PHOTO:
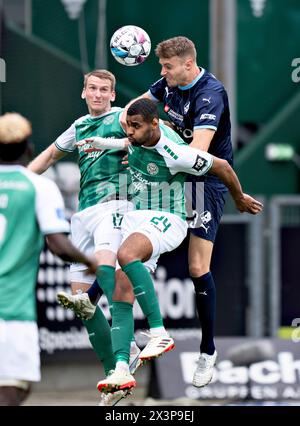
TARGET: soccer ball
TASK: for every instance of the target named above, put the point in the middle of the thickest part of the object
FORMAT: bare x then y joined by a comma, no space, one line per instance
130,45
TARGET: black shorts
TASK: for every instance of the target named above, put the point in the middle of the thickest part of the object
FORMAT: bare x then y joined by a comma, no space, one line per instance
205,206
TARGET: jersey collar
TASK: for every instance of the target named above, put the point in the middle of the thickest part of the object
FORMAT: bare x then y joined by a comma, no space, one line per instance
11,167
113,109
188,86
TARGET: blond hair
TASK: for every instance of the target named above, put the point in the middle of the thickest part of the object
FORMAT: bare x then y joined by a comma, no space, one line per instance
103,74
14,128
177,46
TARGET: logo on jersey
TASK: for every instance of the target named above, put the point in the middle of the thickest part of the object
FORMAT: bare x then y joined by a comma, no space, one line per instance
108,120
186,107
152,169
206,99
207,117
167,91
173,114
200,164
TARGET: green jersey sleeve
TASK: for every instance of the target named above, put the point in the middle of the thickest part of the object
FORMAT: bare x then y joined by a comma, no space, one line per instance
182,158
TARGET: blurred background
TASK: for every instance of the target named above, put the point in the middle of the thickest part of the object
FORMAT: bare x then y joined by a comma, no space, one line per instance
253,47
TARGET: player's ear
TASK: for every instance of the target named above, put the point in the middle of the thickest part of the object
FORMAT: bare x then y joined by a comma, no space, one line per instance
155,122
113,96
189,63
83,94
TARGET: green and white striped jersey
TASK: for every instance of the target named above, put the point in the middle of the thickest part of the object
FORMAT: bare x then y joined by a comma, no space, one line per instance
103,175
30,206
158,173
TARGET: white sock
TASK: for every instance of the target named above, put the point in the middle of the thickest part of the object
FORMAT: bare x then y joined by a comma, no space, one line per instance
158,331
122,365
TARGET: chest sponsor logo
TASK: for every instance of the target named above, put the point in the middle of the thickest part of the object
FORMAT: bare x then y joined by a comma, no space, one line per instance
174,115
207,117
152,169
108,120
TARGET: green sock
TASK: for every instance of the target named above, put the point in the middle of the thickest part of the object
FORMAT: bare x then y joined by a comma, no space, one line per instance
100,338
144,292
106,280
122,330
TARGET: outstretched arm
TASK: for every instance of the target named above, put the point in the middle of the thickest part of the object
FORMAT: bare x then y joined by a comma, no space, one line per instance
243,202
46,159
197,162
97,143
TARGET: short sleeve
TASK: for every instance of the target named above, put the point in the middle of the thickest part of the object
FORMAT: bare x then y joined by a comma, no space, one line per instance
49,207
182,158
66,141
208,110
157,90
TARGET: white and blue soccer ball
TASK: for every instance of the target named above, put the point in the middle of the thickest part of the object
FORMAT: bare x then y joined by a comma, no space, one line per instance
130,45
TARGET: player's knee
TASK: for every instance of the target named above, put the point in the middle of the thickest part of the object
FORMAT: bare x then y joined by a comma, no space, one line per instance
124,256
197,269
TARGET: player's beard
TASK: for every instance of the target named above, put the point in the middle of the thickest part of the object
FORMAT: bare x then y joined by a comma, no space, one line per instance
135,143
144,139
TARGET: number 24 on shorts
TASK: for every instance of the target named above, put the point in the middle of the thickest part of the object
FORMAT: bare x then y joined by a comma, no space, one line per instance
161,221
